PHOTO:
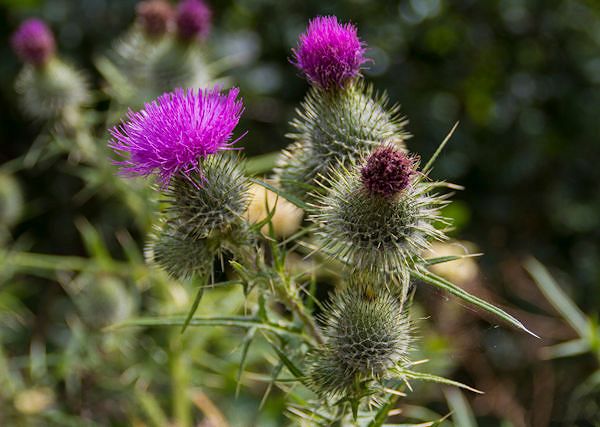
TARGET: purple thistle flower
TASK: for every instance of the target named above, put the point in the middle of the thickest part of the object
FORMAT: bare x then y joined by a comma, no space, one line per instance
387,171
155,16
193,19
329,53
175,131
33,42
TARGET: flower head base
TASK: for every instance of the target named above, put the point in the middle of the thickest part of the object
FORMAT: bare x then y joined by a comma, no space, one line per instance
174,132
387,171
33,42
155,16
329,53
193,19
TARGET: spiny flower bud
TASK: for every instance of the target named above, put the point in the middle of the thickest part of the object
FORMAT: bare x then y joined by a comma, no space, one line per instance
155,16
367,333
193,19
33,42
212,203
336,128
54,91
329,53
173,133
180,255
387,171
374,233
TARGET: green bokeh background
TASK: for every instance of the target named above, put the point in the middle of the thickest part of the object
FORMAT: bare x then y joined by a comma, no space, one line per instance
521,76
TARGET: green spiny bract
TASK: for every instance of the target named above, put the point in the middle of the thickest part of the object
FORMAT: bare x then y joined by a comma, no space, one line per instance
336,127
180,255
367,333
54,91
373,233
212,202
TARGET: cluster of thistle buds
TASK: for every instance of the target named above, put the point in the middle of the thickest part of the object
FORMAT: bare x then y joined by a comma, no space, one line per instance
373,209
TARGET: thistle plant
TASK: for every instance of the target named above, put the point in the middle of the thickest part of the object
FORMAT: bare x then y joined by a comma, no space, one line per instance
374,211
50,89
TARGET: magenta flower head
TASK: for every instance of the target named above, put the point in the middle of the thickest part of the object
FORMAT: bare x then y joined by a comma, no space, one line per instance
177,130
33,42
193,19
387,171
329,53
155,16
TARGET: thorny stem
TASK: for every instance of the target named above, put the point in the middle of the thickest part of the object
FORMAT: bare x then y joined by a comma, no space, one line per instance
285,289
285,292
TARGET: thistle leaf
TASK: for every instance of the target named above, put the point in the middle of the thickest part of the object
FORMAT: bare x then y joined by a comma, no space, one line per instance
439,282
194,307
422,376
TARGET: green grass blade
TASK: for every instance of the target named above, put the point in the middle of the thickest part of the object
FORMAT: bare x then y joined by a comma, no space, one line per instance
439,282
194,307
294,370
290,198
433,158
261,164
448,258
462,415
557,297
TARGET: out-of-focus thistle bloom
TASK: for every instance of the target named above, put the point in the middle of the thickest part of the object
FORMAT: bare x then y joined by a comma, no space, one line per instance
155,17
333,129
374,232
193,19
33,42
285,220
173,133
329,53
212,203
387,172
367,333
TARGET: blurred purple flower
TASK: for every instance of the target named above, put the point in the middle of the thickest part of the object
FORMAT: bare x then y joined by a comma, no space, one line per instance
175,131
329,53
387,171
155,16
193,19
33,42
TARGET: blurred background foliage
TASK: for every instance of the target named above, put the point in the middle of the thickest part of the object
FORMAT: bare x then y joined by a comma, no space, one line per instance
523,79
